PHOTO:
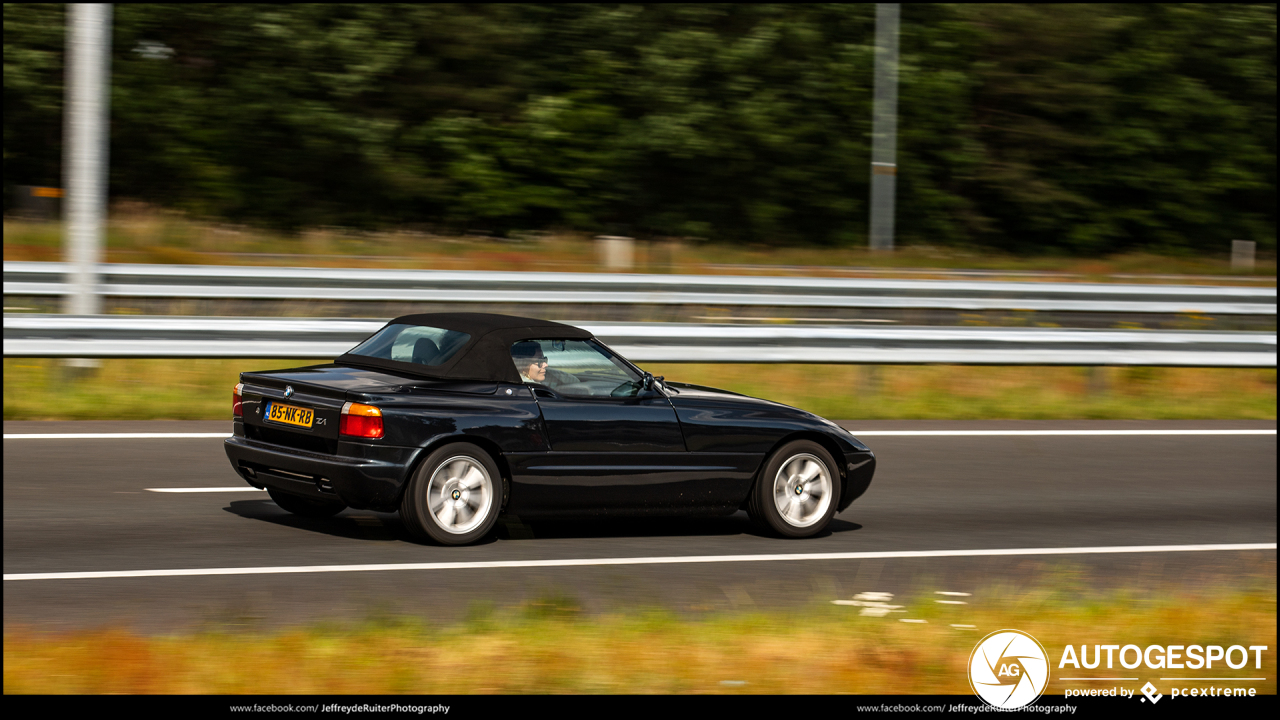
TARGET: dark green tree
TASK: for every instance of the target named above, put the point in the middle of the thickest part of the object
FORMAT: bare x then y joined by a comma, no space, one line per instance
1035,128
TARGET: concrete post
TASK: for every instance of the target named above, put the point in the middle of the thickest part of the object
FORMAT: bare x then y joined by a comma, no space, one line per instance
616,252
84,160
884,129
85,149
1242,254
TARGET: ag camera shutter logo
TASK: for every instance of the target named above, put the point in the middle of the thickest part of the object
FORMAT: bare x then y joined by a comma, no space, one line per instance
1008,669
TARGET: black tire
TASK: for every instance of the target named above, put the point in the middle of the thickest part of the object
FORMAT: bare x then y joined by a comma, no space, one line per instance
454,496
306,507
807,511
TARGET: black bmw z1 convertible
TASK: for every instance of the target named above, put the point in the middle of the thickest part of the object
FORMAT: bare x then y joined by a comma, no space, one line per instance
456,418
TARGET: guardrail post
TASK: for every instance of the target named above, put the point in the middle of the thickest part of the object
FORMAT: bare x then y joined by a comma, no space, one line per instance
871,381
1099,380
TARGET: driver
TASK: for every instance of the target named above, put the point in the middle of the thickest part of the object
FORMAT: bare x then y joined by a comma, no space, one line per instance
530,361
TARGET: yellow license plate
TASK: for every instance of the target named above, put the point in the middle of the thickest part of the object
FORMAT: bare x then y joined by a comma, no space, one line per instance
290,415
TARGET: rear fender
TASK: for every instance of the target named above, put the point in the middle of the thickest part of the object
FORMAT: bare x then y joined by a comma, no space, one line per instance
483,443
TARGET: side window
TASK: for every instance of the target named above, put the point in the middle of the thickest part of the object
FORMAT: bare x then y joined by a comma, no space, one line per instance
413,343
419,345
579,368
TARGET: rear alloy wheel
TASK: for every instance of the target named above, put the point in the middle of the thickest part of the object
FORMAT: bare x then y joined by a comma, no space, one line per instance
797,492
306,507
454,496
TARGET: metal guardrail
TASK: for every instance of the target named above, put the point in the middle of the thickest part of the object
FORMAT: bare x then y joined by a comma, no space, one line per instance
353,284
174,337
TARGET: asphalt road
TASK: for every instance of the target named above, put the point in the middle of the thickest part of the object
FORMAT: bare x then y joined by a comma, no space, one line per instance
83,505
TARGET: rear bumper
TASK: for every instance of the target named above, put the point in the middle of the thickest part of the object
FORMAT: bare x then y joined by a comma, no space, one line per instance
859,466
362,476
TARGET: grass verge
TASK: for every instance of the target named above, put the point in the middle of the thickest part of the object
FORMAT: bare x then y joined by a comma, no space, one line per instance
138,389
136,233
548,646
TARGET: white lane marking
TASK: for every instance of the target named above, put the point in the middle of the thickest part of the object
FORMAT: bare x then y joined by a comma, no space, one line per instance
109,436
204,489
595,562
859,433
961,433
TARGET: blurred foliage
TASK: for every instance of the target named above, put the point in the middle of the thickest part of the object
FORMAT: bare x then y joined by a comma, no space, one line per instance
815,649
1033,128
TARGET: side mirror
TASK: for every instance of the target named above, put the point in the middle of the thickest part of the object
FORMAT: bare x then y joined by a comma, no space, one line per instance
649,382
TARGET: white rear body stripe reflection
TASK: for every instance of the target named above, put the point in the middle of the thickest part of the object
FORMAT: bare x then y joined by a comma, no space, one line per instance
246,488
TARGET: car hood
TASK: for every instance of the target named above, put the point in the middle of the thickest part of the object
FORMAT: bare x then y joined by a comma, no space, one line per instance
701,391
690,396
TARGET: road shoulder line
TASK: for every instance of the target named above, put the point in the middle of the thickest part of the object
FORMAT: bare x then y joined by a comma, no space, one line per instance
595,562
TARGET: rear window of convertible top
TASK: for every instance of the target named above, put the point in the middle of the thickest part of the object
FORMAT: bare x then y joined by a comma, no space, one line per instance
413,344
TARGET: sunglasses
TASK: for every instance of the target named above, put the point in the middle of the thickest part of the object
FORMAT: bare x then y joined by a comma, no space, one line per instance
538,361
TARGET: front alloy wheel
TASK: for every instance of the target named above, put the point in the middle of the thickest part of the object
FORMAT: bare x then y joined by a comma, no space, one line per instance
802,490
797,492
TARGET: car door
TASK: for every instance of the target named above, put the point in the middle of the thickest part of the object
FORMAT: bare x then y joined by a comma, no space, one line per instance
616,445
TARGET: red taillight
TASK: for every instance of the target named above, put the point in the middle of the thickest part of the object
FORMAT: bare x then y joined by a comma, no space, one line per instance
360,421
237,403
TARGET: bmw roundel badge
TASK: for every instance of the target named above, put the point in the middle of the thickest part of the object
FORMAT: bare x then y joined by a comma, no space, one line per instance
288,391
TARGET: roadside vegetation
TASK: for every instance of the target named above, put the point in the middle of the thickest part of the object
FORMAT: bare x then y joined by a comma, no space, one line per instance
150,389
550,645
138,233
1028,128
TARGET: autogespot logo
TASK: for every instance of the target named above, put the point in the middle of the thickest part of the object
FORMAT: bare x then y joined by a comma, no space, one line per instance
1008,669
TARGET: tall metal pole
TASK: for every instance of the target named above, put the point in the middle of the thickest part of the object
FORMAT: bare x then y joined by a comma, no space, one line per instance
884,128
84,152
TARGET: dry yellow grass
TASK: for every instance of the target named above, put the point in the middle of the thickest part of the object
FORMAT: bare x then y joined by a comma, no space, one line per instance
139,389
823,649
975,392
138,233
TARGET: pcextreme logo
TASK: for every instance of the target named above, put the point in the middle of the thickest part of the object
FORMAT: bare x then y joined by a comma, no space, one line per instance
1175,659
1008,669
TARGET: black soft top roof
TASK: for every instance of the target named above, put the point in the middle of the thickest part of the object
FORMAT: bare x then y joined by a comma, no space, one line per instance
486,356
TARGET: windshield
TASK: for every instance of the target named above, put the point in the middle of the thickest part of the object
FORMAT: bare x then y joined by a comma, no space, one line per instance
416,344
